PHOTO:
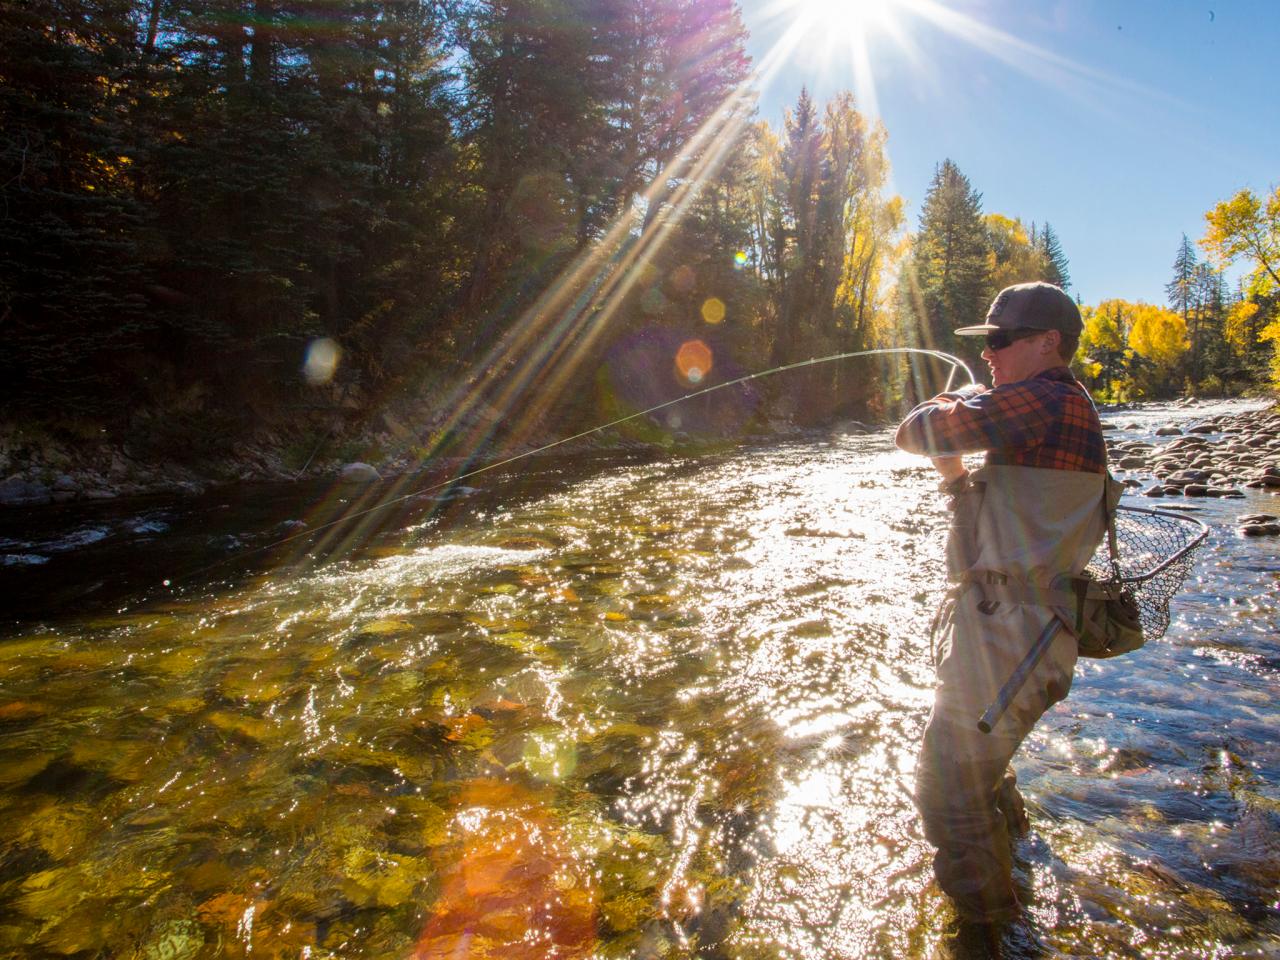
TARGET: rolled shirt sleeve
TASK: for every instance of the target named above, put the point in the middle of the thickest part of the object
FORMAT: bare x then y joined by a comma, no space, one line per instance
1047,420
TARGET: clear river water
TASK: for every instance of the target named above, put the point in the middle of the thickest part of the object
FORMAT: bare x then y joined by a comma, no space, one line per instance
593,706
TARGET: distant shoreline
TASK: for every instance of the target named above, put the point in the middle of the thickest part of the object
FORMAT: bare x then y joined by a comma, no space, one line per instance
40,467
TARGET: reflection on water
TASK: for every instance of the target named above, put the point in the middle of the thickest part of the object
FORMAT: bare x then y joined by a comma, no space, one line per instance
667,711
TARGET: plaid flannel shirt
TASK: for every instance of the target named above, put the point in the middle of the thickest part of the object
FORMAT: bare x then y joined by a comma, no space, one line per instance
1047,420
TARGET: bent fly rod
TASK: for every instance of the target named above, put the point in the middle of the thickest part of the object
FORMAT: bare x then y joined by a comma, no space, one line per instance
956,366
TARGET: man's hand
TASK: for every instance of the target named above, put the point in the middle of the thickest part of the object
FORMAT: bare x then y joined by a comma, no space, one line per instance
951,468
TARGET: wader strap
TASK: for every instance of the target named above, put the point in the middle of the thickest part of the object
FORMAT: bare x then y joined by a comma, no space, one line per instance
1068,591
1109,514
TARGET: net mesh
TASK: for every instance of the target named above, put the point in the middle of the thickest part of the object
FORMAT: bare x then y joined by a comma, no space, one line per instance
1156,551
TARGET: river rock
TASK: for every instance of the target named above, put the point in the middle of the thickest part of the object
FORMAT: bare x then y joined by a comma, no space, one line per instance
1183,477
1202,428
1155,491
1132,463
1260,529
1259,518
1196,490
854,426
19,490
1168,432
358,473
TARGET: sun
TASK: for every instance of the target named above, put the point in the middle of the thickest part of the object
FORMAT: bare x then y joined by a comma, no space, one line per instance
840,41
840,21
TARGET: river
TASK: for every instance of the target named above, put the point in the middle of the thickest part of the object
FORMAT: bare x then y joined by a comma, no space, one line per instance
597,706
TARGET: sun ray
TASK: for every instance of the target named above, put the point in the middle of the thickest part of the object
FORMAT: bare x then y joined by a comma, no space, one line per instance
1044,66
524,373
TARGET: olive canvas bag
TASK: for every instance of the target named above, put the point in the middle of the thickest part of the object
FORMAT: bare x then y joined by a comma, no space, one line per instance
1107,621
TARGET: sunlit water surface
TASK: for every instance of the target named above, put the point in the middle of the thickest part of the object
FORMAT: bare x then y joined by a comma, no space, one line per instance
662,709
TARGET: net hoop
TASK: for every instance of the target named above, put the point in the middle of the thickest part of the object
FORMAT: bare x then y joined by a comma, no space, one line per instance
1198,538
1154,556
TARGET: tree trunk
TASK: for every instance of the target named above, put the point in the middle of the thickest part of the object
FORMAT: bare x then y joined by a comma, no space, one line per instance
153,27
262,53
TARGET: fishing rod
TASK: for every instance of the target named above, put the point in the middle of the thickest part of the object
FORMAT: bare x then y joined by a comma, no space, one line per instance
956,365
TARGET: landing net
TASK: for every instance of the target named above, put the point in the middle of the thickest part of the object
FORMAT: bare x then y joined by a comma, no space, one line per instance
1156,550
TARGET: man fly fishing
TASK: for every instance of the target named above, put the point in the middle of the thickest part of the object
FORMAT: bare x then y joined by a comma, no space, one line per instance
1032,513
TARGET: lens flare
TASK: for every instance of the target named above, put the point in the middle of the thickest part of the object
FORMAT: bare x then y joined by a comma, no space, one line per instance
740,259
713,310
683,279
321,361
693,361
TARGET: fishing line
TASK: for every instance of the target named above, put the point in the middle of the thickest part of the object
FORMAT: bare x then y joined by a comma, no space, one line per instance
955,362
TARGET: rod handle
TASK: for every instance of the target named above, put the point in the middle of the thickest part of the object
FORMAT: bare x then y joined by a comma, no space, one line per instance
989,719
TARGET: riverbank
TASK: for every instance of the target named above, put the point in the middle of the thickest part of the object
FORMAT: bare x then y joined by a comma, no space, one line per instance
69,462
1220,455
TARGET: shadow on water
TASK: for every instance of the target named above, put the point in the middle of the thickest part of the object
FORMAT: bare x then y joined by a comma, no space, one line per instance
62,561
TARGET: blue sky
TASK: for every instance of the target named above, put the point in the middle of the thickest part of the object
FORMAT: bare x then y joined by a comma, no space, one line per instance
1120,123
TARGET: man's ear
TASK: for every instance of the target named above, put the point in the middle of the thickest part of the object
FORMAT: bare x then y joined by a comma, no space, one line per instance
1050,343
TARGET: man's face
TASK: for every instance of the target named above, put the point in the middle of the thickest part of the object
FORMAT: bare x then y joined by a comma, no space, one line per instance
1023,358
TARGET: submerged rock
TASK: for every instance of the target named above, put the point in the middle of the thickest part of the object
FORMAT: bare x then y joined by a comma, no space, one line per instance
359,473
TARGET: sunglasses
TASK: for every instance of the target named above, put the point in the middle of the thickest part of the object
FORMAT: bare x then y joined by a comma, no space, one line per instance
999,339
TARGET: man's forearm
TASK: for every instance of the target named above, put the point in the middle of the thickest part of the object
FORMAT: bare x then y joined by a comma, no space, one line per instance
918,434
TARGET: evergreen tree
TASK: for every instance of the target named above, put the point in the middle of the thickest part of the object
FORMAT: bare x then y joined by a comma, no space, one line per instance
72,295
1055,261
1209,345
1183,292
796,223
528,110
949,261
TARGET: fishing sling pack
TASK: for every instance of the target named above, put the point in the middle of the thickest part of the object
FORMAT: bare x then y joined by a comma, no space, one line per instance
1107,621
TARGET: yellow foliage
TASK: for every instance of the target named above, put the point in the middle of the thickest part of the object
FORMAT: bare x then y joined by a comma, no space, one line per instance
1238,329
1246,227
1012,258
1271,333
1158,334
1104,327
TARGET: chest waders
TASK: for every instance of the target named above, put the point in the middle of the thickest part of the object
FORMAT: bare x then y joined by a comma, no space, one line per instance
1023,536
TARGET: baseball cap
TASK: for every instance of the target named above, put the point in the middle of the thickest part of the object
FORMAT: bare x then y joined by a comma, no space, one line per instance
1029,306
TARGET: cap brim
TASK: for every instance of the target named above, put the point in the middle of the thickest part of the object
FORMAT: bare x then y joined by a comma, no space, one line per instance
977,330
